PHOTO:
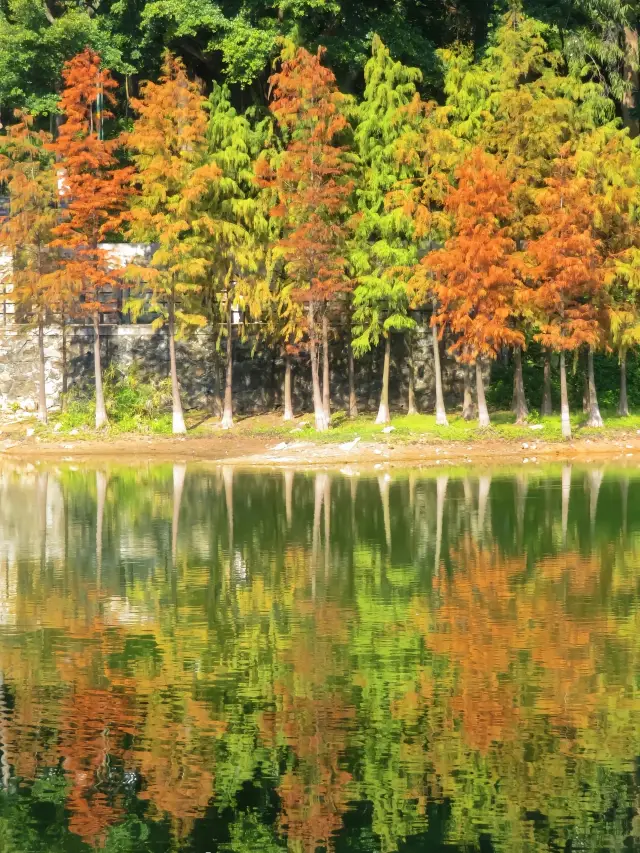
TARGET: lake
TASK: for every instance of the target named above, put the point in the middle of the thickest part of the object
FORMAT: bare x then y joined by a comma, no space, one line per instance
206,659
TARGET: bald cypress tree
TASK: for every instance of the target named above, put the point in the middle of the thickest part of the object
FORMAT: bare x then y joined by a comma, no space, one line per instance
234,220
383,250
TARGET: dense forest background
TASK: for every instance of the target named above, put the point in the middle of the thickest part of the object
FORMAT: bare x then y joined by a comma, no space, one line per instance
237,40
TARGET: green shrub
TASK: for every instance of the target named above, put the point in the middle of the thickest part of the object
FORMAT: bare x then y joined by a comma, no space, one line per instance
132,405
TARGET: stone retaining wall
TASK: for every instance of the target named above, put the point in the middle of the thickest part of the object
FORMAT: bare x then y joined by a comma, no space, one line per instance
257,375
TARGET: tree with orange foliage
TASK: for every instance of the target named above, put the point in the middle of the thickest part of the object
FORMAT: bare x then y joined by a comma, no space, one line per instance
567,277
477,278
312,186
93,193
169,147
27,170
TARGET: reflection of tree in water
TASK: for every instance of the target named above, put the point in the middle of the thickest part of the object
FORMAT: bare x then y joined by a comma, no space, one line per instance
292,661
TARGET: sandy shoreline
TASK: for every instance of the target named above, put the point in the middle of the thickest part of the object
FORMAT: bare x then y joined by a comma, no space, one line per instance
269,452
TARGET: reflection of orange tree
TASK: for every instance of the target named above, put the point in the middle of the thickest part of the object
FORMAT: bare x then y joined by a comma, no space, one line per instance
176,759
501,629
312,720
93,726
531,702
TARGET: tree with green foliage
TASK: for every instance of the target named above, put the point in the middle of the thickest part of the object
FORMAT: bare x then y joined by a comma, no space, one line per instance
383,247
233,221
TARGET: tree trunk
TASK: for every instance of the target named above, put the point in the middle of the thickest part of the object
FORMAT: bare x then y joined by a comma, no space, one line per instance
441,414
412,409
65,379
623,403
353,402
322,422
467,403
288,406
547,406
101,411
483,412
520,402
383,411
326,387
631,77
42,386
217,381
227,412
564,399
595,418
585,388
179,427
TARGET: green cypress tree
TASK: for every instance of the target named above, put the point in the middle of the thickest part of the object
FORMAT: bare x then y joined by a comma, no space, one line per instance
383,248
234,215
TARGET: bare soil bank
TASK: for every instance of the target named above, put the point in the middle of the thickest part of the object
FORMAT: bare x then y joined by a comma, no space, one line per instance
245,450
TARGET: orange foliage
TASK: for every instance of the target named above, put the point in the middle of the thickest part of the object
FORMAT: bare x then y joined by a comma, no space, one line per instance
493,628
29,175
477,273
96,721
566,267
93,189
311,179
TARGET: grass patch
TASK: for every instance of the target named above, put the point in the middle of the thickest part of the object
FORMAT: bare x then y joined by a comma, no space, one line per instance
415,428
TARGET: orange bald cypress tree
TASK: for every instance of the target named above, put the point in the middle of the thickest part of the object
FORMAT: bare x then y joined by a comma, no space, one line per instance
566,273
27,171
312,188
169,147
477,272
93,193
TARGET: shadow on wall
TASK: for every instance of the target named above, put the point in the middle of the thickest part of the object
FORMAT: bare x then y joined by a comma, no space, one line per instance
257,377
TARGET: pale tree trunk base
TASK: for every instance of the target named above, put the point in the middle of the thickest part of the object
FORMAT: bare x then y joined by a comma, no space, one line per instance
383,416
288,407
42,388
412,409
595,418
179,426
101,411
383,410
483,411
564,400
521,410
326,376
353,400
321,418
227,414
623,403
468,409
441,414
547,407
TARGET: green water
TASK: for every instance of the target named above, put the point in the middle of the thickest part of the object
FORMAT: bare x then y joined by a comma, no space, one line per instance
201,659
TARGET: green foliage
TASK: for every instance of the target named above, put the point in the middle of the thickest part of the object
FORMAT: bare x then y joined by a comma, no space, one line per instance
382,249
133,405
